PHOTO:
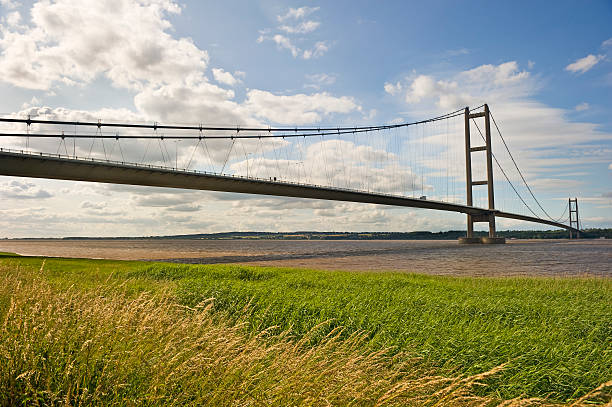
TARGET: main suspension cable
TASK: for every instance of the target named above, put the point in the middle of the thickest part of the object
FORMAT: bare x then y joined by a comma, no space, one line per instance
287,132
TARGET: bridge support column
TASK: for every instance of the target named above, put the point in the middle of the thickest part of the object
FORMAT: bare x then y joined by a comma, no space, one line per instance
470,183
573,218
468,173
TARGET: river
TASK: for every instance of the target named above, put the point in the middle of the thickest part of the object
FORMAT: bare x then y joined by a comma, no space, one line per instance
517,257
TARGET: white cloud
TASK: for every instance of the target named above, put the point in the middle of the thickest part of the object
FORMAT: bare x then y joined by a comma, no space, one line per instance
507,73
66,43
542,139
298,27
9,4
298,109
189,207
610,166
393,89
341,163
426,87
504,80
304,27
370,116
530,64
322,78
582,65
93,205
224,77
186,98
297,13
160,200
607,43
284,42
320,48
582,107
23,190
13,19
33,102
193,98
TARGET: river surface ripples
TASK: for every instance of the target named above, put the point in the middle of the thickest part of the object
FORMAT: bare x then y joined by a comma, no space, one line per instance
517,257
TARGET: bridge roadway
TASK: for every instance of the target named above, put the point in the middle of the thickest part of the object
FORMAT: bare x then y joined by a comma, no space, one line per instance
39,165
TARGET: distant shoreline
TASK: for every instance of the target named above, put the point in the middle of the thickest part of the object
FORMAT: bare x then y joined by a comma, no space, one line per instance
312,235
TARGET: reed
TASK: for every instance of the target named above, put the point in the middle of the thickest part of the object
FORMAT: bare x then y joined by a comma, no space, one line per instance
104,346
93,332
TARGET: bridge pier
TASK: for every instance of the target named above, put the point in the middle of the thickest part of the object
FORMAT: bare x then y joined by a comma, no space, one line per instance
470,183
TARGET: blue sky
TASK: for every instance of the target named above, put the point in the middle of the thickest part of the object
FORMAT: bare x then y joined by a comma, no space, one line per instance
544,67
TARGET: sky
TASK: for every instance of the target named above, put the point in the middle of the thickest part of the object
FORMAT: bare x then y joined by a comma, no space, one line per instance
544,68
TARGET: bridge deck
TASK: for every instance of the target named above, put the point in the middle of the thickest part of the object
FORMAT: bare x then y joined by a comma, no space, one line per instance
34,165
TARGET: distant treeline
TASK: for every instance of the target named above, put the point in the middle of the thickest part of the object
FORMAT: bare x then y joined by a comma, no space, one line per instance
422,235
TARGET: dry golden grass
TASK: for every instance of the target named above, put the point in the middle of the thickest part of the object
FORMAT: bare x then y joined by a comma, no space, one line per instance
106,346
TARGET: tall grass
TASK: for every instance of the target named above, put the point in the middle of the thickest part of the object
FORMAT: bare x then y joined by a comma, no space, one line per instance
555,334
93,332
103,346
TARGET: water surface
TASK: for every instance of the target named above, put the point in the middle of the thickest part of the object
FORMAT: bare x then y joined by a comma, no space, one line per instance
517,257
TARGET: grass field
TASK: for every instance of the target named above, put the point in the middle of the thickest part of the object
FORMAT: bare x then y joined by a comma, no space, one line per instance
102,331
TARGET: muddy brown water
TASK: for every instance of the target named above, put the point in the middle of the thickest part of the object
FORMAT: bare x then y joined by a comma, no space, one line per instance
517,257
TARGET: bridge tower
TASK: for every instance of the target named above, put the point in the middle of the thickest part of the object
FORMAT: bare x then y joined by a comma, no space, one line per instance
470,183
573,217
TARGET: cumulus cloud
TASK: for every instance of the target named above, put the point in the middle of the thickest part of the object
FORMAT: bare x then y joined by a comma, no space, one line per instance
298,109
12,19
607,43
426,87
65,43
9,4
466,87
193,98
182,95
93,205
583,65
393,88
224,77
507,73
543,139
339,163
23,190
161,200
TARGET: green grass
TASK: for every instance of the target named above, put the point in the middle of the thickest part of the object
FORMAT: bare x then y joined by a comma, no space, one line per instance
555,334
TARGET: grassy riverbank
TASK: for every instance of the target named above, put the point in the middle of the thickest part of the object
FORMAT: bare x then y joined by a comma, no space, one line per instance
101,331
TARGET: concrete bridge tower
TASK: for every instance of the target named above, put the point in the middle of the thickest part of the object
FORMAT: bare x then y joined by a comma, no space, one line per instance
470,183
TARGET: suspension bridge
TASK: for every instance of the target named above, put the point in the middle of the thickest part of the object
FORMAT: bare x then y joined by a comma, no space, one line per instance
428,164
